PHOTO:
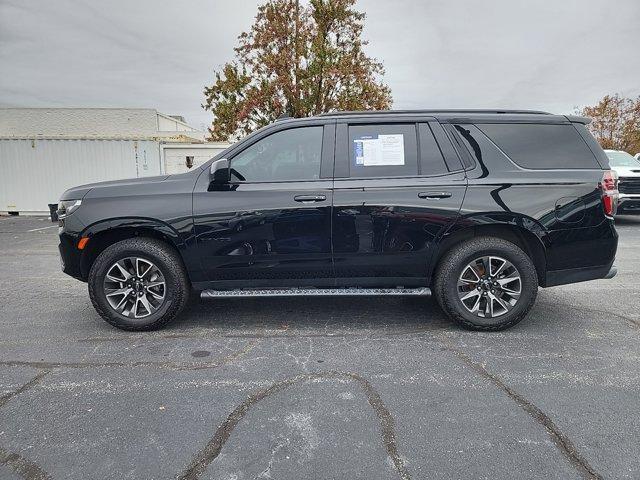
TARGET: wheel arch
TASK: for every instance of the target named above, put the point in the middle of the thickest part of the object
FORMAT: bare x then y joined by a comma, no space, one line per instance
106,233
531,243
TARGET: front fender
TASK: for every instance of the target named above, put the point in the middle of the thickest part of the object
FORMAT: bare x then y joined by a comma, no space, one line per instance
139,224
105,232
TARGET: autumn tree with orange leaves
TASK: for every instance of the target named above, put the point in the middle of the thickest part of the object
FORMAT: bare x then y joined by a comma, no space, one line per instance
297,60
616,122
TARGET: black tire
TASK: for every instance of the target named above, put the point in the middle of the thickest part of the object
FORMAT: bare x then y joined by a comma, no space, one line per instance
177,289
445,283
194,297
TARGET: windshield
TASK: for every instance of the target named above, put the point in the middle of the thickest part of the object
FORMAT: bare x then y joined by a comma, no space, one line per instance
622,159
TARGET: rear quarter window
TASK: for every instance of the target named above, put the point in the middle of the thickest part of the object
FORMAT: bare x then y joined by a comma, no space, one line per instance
539,146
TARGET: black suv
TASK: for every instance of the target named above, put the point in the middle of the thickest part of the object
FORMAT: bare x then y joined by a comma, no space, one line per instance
478,207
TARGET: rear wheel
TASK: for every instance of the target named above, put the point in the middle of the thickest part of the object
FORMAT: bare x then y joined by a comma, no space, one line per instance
138,284
486,284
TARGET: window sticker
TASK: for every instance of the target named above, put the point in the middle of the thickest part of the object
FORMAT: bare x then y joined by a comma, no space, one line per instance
379,150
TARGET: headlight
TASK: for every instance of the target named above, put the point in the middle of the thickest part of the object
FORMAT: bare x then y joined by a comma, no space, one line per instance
67,207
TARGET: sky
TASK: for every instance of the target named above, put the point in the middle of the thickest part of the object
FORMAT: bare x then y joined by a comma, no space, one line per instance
551,55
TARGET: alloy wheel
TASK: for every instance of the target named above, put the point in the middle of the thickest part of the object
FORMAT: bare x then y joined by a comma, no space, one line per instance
135,287
489,286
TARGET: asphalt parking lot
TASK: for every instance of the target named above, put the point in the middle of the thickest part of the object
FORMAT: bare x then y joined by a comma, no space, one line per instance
331,388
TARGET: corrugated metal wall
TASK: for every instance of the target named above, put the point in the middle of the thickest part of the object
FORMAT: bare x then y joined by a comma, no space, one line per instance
34,173
175,157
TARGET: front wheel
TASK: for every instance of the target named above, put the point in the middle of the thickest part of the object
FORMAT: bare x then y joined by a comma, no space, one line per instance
138,284
486,284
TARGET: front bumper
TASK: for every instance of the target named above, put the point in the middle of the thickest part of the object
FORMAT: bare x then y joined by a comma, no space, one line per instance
70,255
628,204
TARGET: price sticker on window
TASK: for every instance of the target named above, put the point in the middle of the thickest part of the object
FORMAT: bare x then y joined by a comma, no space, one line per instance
379,150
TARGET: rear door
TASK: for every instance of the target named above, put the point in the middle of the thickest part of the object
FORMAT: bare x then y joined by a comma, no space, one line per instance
398,186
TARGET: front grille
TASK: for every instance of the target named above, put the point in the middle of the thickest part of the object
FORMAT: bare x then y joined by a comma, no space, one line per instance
629,185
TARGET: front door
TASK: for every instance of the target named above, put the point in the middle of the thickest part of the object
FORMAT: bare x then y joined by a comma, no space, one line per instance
272,226
394,196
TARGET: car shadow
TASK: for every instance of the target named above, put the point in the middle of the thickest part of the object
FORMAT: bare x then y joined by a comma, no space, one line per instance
323,316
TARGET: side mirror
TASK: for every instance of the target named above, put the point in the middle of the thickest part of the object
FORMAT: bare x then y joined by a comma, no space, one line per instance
219,173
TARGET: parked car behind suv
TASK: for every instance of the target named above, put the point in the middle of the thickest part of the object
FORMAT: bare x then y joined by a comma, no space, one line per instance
628,170
479,207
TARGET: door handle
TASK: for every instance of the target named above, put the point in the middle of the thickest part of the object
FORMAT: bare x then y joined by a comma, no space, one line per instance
434,195
310,198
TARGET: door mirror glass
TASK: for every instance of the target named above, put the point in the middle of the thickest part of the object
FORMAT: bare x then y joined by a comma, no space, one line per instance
219,172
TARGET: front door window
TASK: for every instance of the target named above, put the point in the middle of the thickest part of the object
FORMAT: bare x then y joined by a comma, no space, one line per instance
287,155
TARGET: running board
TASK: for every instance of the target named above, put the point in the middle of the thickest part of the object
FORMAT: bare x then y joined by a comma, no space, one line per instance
315,292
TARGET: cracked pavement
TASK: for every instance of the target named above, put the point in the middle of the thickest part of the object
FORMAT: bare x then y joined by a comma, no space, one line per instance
314,388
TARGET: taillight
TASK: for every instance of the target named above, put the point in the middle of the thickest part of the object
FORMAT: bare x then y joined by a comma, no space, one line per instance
609,188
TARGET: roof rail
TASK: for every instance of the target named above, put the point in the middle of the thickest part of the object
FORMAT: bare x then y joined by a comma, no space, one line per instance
447,111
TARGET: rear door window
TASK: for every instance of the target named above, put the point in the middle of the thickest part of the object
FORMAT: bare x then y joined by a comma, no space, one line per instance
383,150
431,157
539,146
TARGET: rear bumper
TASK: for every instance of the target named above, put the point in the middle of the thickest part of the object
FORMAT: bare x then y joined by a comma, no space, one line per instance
629,204
575,275
613,271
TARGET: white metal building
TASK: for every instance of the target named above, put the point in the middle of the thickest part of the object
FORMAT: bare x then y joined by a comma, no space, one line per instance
176,156
44,151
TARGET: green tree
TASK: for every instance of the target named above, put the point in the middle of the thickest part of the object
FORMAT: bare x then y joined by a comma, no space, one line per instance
615,122
298,61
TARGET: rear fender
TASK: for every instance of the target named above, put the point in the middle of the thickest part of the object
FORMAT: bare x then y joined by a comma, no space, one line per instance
521,230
